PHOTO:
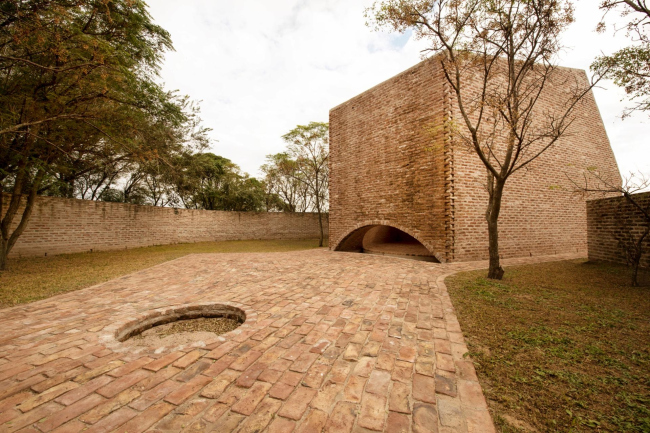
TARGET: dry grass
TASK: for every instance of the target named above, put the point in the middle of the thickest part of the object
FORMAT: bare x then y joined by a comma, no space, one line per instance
32,278
559,347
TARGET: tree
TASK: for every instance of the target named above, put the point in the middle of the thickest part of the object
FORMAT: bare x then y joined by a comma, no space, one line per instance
629,67
498,57
212,182
308,146
284,188
78,93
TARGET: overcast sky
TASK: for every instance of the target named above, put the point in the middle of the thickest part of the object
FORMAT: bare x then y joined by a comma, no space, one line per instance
262,67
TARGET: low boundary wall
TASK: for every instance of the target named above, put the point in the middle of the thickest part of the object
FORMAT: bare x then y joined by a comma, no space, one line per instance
610,220
60,226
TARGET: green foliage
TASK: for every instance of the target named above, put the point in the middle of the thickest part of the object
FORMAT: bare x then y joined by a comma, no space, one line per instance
78,98
629,67
209,181
285,189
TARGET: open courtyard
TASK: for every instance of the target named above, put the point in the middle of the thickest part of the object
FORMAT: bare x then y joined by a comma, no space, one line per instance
332,341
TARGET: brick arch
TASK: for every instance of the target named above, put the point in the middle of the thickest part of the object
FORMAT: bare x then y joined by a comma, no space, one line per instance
352,240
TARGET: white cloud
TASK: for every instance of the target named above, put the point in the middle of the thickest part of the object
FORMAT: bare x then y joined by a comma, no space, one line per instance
262,67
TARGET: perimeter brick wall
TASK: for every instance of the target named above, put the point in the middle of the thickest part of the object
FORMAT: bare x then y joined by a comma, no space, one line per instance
608,220
60,226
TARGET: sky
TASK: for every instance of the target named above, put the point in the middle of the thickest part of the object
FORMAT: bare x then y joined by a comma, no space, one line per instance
261,67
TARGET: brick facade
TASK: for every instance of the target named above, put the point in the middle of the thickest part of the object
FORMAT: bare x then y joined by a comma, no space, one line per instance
394,162
611,219
60,225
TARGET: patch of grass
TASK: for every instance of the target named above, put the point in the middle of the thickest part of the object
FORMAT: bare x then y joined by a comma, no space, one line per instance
30,279
559,347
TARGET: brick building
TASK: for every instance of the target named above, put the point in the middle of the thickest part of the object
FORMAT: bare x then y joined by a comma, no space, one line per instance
399,183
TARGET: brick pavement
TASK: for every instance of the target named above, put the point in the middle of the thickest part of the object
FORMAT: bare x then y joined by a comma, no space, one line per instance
333,342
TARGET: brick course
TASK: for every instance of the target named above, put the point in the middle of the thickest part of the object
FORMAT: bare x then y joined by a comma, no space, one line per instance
607,220
59,226
394,162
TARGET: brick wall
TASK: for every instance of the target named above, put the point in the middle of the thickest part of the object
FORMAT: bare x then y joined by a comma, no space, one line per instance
540,214
610,219
387,159
394,162
59,226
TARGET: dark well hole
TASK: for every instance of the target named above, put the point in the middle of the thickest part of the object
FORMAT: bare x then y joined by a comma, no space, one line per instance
185,316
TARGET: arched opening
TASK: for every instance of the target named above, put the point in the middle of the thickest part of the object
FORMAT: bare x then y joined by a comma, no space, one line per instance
385,240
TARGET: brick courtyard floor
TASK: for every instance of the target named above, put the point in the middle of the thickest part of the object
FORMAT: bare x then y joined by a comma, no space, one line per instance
333,342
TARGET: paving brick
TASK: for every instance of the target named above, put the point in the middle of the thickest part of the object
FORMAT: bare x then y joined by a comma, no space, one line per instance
281,390
249,402
373,412
364,366
315,376
399,398
188,389
398,423
327,395
248,377
294,407
243,362
354,389
342,418
221,350
264,413
119,385
219,384
71,412
156,378
471,394
269,375
314,422
153,395
188,359
163,361
31,417
219,366
281,425
147,418
130,367
46,396
424,388
112,421
450,412
82,391
425,418
95,372
104,409
378,382
195,369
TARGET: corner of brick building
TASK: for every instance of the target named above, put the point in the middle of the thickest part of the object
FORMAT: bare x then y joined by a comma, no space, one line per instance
394,162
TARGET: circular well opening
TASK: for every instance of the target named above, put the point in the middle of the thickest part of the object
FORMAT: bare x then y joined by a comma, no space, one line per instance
183,315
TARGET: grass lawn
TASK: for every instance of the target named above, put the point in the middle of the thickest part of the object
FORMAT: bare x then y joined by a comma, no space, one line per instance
32,278
559,347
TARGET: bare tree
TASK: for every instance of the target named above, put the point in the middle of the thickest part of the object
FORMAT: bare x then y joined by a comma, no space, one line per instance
631,237
498,57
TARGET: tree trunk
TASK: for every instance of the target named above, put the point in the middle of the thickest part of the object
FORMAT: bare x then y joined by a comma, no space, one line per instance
4,252
320,223
7,239
495,189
